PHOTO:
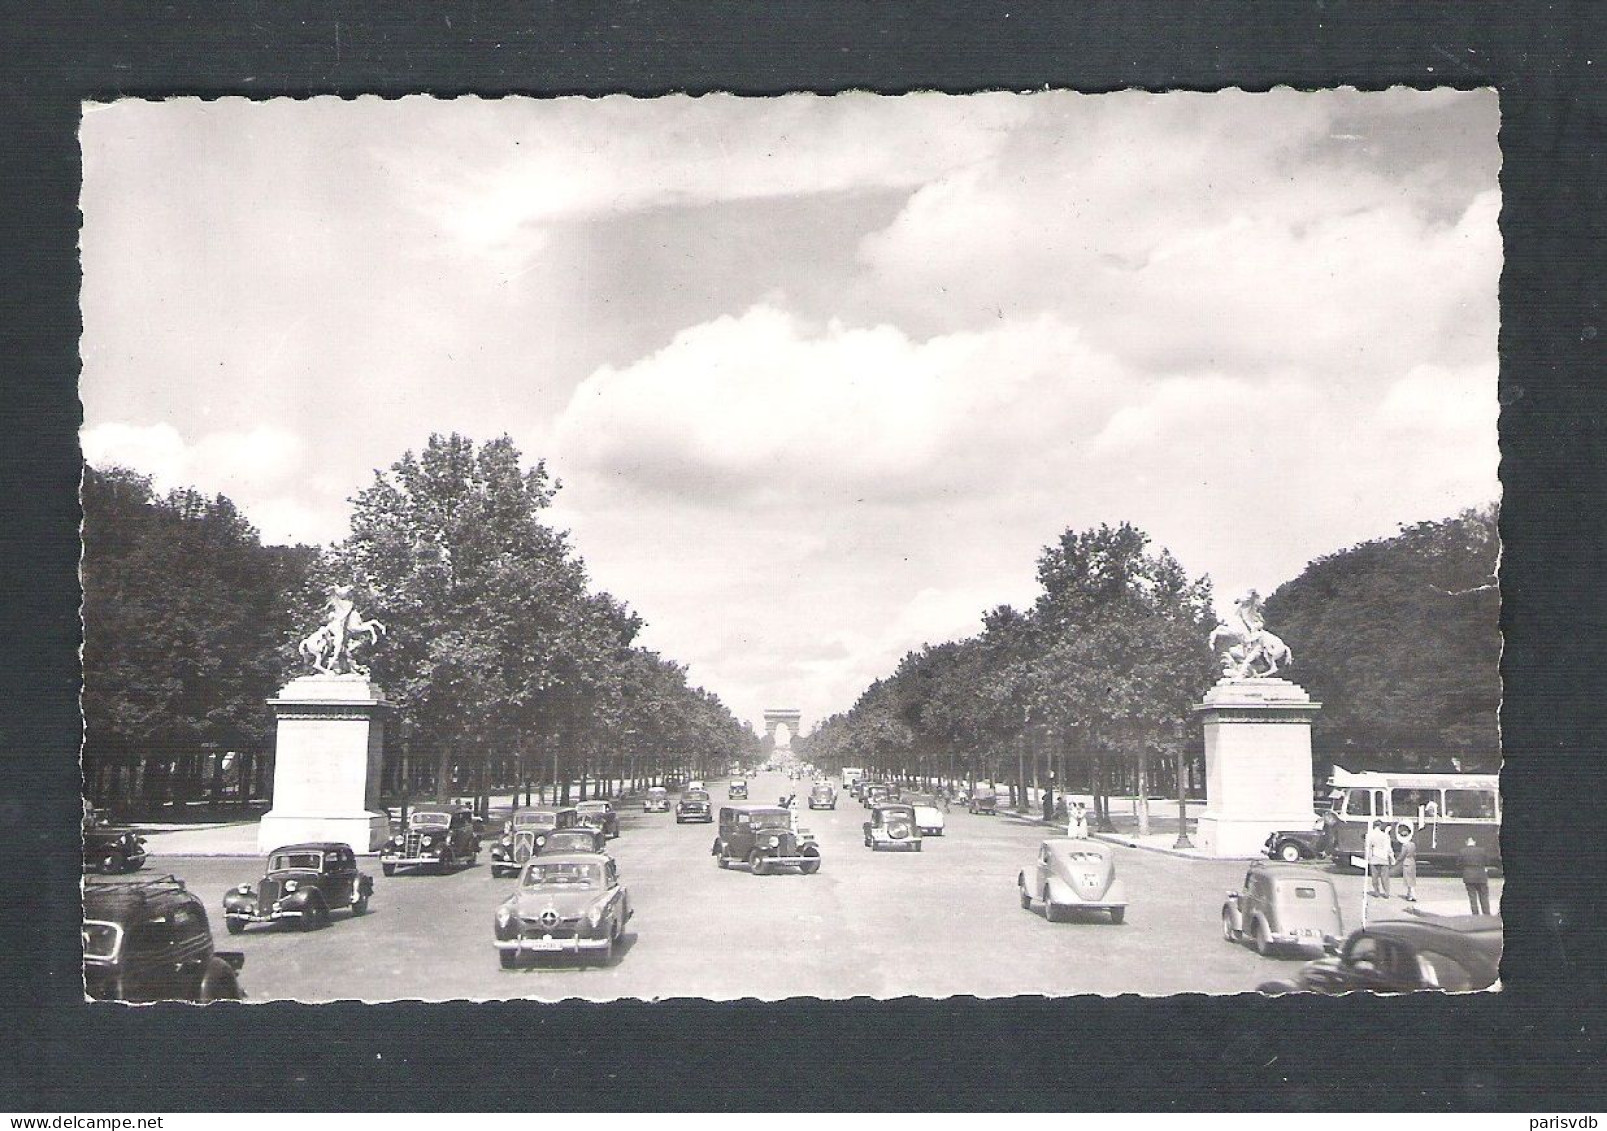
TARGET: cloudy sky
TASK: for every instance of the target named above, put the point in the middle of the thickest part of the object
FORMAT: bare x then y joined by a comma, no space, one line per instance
820,375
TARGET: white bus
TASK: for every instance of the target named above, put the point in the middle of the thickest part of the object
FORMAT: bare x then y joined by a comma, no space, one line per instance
1441,810
852,774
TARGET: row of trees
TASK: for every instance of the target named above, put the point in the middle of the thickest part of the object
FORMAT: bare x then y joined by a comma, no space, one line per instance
1092,687
507,666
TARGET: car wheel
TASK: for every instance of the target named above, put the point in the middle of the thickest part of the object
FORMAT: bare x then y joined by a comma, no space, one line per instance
917,846
1289,852
219,984
510,958
360,905
756,862
111,864
315,916
810,865
606,955
388,869
1263,938
235,926
1026,900
723,860
1229,934
1117,914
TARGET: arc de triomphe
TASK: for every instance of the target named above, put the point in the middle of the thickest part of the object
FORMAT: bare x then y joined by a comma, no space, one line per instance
782,716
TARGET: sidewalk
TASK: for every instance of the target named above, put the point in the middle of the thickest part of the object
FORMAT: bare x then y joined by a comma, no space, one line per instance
234,839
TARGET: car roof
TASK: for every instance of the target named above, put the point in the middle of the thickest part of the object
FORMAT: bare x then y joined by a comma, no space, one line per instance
755,807
571,858
127,896
1081,844
1278,869
1424,927
310,846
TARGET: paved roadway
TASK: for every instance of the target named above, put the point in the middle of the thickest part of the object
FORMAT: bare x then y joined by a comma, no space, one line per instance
941,922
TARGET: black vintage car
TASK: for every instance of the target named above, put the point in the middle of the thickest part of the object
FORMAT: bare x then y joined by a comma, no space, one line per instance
148,940
762,836
303,884
525,834
584,839
599,815
694,805
110,847
1419,952
437,836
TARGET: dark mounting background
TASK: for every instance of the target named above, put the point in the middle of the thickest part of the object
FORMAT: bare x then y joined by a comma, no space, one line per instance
1537,1046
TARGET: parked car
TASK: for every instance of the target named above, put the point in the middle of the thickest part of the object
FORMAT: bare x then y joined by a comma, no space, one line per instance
110,847
1419,952
983,801
524,835
571,904
1295,845
583,839
657,800
599,815
149,940
821,796
763,836
737,791
1069,874
694,805
929,819
437,836
1281,907
892,825
303,884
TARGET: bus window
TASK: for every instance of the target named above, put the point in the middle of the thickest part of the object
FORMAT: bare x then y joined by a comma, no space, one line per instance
1358,803
1411,802
1470,804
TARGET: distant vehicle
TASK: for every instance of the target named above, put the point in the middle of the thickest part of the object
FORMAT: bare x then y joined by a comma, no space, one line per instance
525,834
303,884
148,940
1419,952
657,800
1283,906
570,904
852,776
737,791
584,839
929,819
110,847
694,806
1442,810
438,836
822,797
1069,874
1294,845
763,837
873,794
599,814
696,783
984,801
892,825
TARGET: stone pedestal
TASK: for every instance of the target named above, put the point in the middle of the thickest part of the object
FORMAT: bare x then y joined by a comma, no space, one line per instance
327,761
1257,764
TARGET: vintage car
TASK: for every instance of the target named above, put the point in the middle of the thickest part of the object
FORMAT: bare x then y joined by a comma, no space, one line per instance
525,834
874,794
736,791
1421,951
1283,906
584,839
657,800
983,801
694,805
822,797
148,940
929,818
110,847
1070,874
696,783
764,837
599,815
572,904
892,825
1295,845
304,883
437,836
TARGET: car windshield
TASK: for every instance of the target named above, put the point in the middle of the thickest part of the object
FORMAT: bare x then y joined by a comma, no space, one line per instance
310,861
696,795
821,790
536,820
592,807
655,792
771,820
1084,856
574,875
101,940
567,840
429,819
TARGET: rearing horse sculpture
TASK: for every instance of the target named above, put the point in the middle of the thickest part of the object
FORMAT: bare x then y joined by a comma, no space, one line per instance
329,648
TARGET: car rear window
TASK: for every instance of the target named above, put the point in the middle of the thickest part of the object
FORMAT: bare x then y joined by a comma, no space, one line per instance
1303,892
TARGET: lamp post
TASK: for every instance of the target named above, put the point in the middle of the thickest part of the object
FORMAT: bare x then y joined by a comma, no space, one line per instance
1182,840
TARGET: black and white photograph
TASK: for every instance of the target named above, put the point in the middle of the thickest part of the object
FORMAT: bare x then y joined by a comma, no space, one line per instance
851,546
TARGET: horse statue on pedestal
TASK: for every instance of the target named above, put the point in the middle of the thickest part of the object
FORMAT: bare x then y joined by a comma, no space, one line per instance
329,647
1248,650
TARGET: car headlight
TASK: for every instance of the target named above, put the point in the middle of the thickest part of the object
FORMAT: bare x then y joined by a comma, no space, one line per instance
244,889
290,886
771,841
504,915
595,915
507,840
427,841
396,840
540,840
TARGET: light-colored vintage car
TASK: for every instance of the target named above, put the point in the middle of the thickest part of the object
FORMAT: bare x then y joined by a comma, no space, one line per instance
929,819
571,904
1283,907
657,800
1073,874
892,825
599,815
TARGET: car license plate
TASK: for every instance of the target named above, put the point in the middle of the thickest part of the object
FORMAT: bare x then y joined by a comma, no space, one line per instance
1307,931
547,942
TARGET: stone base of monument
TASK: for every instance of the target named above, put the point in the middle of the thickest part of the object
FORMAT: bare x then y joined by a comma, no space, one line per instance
1257,764
328,755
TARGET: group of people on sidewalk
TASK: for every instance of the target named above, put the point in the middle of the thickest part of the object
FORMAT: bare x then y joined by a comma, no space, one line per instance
1381,860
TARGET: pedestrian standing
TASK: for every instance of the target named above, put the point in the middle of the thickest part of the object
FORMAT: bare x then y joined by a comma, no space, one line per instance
1078,825
1380,858
1475,877
1409,865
